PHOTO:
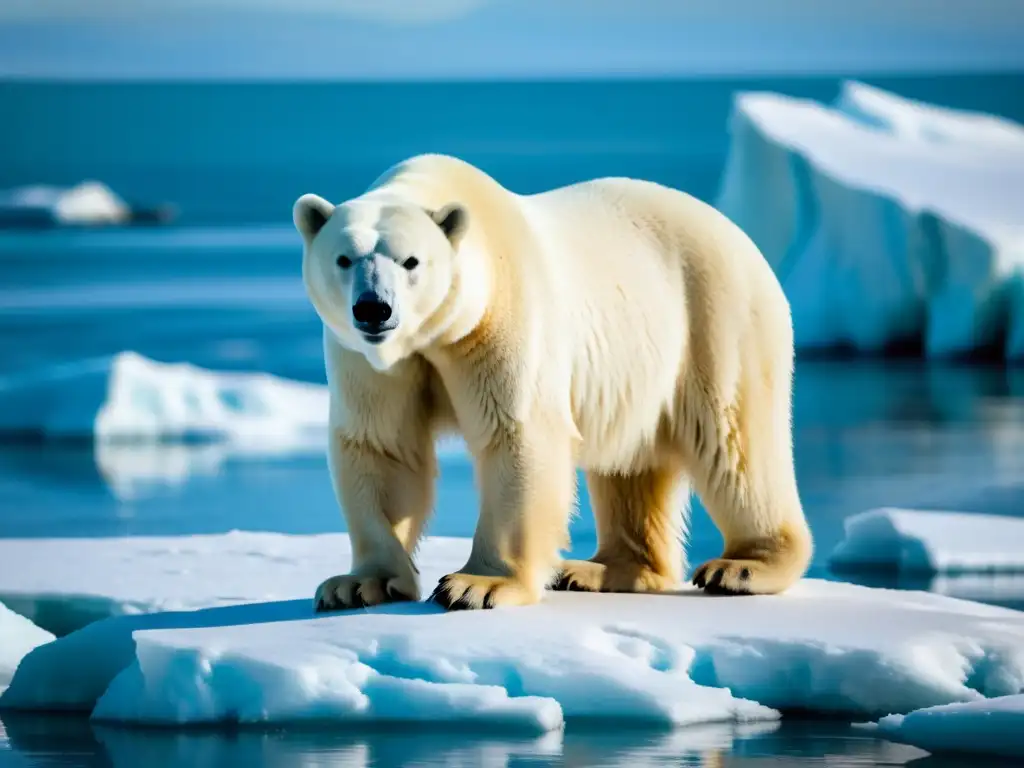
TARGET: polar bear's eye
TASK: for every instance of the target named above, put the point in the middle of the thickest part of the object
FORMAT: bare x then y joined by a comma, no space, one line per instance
411,263
344,262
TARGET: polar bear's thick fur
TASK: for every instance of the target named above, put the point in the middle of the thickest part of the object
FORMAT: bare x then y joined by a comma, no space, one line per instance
614,325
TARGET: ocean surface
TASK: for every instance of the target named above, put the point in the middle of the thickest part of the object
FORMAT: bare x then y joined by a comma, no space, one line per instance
221,289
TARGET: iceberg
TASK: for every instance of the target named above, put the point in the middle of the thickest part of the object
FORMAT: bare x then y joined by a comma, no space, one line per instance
930,542
130,397
987,726
18,636
65,584
668,659
889,223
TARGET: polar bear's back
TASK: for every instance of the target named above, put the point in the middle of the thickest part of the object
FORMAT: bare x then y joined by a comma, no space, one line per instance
622,288
669,258
626,227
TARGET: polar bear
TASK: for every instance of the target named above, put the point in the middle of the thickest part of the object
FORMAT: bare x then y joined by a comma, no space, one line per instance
615,325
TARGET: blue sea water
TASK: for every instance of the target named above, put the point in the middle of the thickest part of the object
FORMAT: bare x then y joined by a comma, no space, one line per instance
221,289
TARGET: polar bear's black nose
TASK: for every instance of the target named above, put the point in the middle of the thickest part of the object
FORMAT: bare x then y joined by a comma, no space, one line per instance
370,311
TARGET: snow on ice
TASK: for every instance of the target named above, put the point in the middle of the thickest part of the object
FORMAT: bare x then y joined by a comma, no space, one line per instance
64,584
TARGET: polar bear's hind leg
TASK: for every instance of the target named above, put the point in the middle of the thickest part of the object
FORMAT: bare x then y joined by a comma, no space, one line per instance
640,524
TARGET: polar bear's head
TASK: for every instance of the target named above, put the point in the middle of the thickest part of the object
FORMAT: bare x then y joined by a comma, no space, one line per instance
378,270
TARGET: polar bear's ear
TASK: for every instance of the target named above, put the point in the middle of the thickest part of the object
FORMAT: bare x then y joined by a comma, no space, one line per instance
310,213
453,220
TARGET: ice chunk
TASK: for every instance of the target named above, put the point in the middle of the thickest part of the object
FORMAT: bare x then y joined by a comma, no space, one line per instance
146,398
18,636
887,222
129,402
992,726
131,397
669,659
90,202
64,584
928,542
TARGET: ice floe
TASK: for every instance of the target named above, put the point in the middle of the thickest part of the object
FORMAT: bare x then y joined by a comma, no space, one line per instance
666,659
130,397
987,726
930,542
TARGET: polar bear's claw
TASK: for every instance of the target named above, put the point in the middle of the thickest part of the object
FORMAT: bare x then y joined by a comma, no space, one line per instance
725,577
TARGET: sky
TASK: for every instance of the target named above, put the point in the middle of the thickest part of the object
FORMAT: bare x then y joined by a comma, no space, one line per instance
472,39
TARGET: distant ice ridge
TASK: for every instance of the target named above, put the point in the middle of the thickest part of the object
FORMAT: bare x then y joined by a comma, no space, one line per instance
677,659
930,542
129,399
888,221
986,726
18,636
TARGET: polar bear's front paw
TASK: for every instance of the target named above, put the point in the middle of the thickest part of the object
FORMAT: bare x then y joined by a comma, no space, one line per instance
341,593
464,591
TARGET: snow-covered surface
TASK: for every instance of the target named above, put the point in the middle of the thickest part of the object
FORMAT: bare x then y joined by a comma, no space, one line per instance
132,397
18,636
887,221
925,541
913,119
90,202
668,659
64,584
992,726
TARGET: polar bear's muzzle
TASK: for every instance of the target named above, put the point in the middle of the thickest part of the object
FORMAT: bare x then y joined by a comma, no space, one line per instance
373,309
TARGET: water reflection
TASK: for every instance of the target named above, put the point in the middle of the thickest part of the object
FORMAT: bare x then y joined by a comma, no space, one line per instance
136,471
789,743
1005,589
